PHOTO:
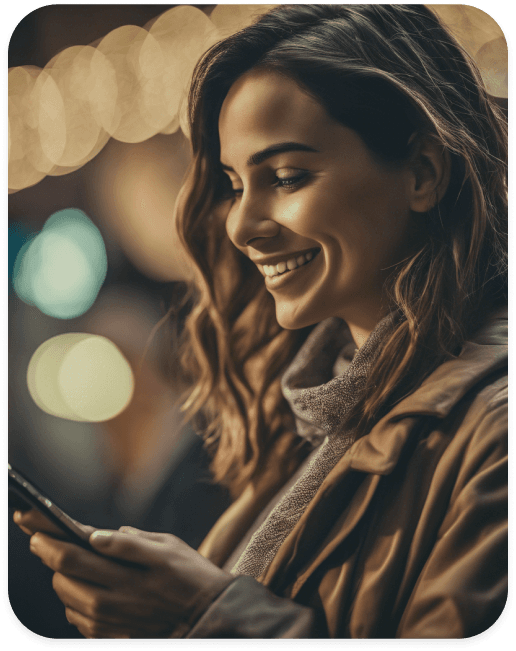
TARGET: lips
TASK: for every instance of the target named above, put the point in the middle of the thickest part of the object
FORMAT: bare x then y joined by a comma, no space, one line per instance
288,263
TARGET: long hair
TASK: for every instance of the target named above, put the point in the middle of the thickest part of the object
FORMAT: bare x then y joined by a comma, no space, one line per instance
388,72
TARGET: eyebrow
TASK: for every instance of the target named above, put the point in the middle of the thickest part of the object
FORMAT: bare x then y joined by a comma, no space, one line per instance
268,152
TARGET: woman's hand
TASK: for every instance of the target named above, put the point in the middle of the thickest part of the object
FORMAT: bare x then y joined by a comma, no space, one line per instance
172,583
33,520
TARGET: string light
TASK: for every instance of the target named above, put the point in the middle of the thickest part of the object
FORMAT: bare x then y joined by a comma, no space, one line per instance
183,34
119,115
476,30
232,18
132,84
21,171
71,72
492,61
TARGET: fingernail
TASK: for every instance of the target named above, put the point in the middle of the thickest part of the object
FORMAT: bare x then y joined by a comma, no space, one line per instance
101,535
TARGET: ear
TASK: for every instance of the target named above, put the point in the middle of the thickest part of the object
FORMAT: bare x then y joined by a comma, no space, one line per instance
430,166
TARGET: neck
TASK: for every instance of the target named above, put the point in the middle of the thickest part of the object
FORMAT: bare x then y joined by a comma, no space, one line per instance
363,318
362,324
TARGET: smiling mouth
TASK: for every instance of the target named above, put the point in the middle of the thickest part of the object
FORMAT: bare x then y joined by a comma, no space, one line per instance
283,268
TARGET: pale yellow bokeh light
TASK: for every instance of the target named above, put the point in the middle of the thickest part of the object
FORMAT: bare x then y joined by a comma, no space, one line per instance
122,48
172,127
80,377
133,83
51,117
184,33
95,379
43,372
102,140
71,71
232,18
31,116
22,172
492,61
8,137
103,92
182,117
473,28
152,98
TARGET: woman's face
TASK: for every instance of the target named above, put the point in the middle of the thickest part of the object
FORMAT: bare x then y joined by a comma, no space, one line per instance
320,217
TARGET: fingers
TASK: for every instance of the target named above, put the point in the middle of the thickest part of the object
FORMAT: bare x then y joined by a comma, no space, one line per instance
97,613
93,629
94,602
74,561
117,608
32,521
138,548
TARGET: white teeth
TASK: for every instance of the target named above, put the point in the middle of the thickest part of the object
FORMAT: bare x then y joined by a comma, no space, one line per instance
291,264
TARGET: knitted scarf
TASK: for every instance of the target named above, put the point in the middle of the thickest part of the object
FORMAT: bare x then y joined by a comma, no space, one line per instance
320,403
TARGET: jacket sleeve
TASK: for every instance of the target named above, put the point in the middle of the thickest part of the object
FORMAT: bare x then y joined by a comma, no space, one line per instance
247,609
462,588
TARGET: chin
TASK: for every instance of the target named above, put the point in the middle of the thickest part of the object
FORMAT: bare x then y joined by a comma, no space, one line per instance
288,319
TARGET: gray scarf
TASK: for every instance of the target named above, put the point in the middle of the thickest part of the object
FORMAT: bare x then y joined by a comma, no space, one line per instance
320,403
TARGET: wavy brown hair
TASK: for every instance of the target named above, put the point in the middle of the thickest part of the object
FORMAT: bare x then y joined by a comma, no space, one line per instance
388,72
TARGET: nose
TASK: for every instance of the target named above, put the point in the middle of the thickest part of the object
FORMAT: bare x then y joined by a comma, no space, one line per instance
249,219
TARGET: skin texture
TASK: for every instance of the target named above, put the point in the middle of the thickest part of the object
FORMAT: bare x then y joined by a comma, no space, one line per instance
358,212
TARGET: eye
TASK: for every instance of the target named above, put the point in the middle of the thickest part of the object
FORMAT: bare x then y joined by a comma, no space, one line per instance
290,181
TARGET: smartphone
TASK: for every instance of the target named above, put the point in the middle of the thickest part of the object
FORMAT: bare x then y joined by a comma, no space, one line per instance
23,495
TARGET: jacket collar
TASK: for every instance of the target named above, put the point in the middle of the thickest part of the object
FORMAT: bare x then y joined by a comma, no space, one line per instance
486,353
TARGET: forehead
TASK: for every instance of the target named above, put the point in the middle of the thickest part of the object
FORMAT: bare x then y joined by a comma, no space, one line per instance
264,107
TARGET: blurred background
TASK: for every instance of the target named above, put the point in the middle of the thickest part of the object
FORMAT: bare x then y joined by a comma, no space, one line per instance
97,124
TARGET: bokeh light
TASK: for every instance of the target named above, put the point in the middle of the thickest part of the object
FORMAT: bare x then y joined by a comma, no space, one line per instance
492,60
232,18
474,29
80,377
120,116
183,33
132,84
21,171
62,269
71,72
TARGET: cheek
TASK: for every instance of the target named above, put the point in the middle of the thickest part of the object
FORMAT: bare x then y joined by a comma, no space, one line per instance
375,213
289,214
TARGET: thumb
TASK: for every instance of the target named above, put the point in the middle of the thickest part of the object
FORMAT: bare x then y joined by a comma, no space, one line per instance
129,549
148,535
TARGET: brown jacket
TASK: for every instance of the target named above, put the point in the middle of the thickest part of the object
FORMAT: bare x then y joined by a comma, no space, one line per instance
407,536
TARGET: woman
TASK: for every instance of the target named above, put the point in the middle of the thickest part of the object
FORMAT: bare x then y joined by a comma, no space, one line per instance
346,212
